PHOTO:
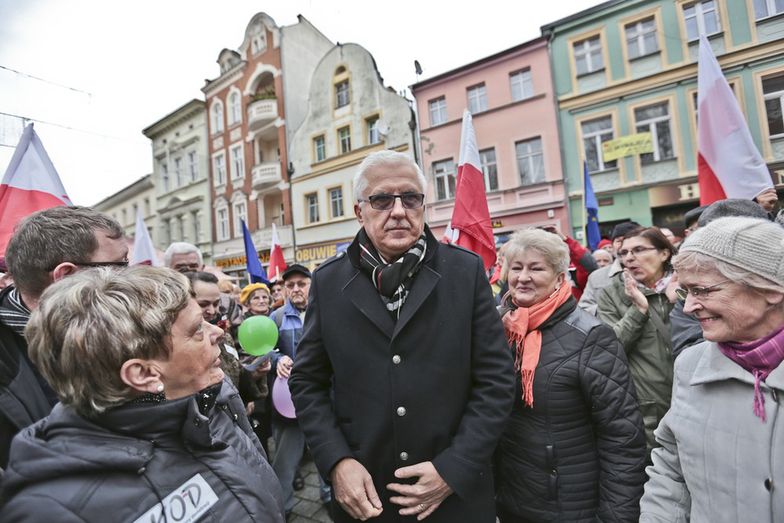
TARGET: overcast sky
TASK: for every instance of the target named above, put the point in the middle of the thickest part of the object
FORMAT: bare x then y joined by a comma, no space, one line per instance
113,68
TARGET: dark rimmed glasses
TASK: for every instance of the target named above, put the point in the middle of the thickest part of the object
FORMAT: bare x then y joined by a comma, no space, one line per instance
384,202
697,292
118,264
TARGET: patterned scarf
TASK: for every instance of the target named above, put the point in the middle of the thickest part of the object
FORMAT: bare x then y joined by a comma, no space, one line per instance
392,280
14,313
760,358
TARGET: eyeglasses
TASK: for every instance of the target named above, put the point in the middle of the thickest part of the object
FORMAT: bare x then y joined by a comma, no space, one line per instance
635,251
123,263
384,202
697,292
301,284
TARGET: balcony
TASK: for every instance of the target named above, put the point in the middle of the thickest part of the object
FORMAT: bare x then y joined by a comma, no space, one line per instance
262,113
266,175
263,237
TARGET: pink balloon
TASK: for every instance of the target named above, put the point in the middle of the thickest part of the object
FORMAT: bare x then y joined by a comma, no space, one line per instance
281,398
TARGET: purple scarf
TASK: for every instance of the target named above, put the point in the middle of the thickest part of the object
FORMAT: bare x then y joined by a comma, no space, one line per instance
760,358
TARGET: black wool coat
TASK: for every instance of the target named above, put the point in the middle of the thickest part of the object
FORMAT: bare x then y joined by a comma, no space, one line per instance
435,385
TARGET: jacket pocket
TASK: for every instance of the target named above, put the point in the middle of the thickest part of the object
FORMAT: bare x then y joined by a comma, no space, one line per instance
552,472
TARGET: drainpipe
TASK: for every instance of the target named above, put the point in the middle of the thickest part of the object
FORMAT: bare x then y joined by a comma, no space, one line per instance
290,173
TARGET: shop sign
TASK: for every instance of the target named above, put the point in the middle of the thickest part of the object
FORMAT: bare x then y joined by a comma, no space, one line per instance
241,260
317,253
496,224
627,146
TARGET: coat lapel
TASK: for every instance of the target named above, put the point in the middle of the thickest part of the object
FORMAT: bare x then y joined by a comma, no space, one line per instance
365,297
424,283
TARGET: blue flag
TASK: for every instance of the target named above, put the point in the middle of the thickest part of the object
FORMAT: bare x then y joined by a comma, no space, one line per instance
256,272
591,212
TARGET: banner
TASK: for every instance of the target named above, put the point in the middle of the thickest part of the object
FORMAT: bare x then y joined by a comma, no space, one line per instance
627,146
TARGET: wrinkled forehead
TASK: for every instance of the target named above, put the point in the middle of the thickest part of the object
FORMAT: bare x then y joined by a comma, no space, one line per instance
395,177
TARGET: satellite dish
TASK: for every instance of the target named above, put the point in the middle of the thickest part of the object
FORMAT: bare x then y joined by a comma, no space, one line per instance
383,128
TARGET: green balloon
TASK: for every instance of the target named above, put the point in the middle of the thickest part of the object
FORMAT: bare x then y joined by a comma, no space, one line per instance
258,335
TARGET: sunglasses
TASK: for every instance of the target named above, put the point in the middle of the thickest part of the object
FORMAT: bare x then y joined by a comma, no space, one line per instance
384,202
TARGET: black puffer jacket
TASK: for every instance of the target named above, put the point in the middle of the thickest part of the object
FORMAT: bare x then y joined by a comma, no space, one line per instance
579,453
130,461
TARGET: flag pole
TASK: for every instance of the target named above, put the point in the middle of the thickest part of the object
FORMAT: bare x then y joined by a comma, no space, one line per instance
584,213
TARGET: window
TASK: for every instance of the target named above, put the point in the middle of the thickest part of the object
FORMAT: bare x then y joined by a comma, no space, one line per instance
344,138
259,42
219,167
217,117
521,84
342,97
489,169
701,17
477,99
181,225
124,217
178,174
235,108
193,165
773,90
336,202
373,136
655,119
765,8
146,206
320,148
444,175
237,162
596,132
437,111
311,203
240,215
222,220
588,55
196,226
530,161
641,38
165,176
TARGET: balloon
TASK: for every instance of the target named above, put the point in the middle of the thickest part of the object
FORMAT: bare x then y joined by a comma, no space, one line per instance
258,335
281,398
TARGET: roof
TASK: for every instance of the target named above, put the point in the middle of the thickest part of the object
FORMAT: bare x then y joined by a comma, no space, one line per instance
178,113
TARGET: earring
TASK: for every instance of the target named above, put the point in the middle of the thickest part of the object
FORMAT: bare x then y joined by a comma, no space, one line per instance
160,387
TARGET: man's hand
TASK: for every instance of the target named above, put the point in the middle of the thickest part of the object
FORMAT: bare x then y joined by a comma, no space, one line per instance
354,489
284,367
423,497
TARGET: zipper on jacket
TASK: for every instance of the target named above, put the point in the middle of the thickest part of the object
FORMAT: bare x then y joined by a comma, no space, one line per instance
769,483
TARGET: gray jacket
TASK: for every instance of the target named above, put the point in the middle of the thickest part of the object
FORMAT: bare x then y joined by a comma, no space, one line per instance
718,462
597,281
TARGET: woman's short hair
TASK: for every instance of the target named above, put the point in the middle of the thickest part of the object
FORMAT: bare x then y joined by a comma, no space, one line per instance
225,285
549,245
88,324
657,239
387,158
202,276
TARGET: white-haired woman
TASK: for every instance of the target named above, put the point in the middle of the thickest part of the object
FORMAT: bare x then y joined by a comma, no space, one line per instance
574,448
722,452
147,430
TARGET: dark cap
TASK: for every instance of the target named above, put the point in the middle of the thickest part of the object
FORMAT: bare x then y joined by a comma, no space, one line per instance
293,269
693,215
621,229
731,207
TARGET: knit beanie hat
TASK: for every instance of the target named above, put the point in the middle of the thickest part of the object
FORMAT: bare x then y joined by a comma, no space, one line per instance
731,207
249,289
748,243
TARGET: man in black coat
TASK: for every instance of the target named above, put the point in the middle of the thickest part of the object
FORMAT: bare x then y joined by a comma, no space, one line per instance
402,380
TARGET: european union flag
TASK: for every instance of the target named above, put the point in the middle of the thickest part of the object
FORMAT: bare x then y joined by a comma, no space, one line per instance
256,272
591,212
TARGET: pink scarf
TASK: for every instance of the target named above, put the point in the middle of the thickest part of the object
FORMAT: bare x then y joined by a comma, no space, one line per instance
759,357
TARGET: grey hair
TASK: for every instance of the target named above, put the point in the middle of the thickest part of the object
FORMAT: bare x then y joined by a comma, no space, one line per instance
696,262
50,237
87,325
180,248
384,158
549,245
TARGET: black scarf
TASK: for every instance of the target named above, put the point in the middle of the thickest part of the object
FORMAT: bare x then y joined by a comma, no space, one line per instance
13,312
392,280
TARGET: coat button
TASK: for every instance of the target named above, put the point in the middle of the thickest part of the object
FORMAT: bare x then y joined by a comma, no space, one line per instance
769,484
396,359
401,411
404,456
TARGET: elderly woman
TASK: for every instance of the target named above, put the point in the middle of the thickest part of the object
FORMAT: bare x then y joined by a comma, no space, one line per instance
256,299
721,451
574,448
147,430
637,307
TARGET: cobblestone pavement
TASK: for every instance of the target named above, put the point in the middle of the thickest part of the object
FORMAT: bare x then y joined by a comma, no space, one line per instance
308,508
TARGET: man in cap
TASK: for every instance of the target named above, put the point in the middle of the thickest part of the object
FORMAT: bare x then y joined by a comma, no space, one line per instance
46,247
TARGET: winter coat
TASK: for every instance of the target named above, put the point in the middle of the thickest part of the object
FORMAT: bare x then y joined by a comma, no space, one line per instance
582,262
131,462
685,329
579,453
597,281
718,462
647,349
435,385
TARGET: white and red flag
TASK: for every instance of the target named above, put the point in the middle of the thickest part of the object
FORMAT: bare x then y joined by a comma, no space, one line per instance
30,184
143,249
470,224
729,165
277,263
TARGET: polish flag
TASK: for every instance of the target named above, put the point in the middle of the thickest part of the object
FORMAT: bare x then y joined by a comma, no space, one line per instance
276,264
470,224
143,250
30,184
729,165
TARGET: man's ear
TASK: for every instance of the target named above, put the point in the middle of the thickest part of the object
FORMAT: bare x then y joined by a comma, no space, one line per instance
358,213
62,270
142,375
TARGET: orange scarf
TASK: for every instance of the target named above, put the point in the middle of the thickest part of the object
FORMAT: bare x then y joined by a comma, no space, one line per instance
521,326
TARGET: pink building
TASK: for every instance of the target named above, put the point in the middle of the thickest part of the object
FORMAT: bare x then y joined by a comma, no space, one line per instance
510,96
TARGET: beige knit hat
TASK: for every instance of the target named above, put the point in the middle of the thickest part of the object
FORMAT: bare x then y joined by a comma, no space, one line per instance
748,243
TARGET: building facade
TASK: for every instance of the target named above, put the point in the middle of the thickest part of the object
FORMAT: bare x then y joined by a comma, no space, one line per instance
253,106
350,113
125,203
629,66
181,174
510,97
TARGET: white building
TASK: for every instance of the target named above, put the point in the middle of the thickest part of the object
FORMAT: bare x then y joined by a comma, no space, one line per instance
123,205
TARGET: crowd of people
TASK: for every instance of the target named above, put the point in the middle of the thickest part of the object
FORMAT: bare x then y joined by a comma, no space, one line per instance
638,382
